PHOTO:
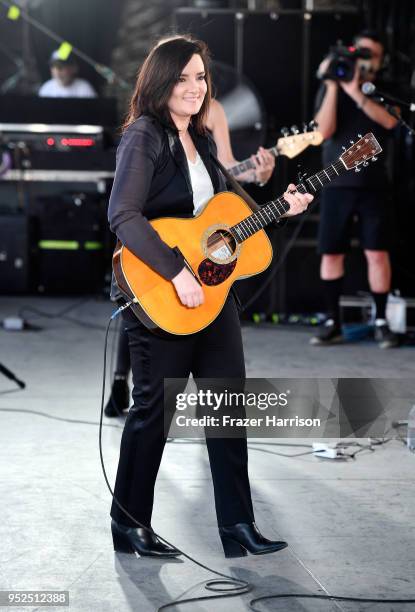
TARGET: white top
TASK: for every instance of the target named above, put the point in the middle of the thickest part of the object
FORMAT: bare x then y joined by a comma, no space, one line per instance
201,183
79,88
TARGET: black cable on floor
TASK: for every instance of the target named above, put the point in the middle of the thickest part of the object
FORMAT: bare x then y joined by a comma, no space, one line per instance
52,315
62,314
327,597
57,418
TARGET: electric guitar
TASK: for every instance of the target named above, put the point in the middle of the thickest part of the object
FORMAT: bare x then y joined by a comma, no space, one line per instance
225,242
290,146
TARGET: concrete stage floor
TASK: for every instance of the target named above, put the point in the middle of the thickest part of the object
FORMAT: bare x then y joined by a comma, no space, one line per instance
350,525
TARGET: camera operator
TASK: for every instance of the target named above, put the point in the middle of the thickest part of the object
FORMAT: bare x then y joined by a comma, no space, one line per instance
343,111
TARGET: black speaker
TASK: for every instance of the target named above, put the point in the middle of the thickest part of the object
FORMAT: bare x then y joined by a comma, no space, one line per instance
15,241
70,240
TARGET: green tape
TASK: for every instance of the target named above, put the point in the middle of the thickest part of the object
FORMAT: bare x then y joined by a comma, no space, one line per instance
13,12
58,245
93,246
64,51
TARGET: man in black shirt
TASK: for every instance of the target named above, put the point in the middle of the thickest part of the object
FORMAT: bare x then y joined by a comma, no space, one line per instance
343,112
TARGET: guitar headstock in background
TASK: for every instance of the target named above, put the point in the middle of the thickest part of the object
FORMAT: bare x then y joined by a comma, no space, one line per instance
295,143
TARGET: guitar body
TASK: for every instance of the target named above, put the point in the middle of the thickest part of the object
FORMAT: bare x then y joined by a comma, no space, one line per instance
212,253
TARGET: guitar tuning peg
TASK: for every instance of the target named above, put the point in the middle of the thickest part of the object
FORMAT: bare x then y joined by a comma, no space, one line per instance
294,129
365,163
285,131
305,127
359,136
357,169
344,148
374,159
313,125
351,141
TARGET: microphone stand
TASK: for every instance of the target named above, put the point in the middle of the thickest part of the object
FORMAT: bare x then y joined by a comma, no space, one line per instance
410,105
391,110
8,374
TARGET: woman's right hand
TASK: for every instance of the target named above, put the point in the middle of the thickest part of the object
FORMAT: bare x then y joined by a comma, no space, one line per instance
188,289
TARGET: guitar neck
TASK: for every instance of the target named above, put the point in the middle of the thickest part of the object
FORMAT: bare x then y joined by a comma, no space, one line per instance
275,209
248,164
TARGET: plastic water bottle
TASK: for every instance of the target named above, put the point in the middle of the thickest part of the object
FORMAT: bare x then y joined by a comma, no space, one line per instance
411,430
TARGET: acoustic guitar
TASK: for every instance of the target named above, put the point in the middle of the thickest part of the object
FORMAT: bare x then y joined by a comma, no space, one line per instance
225,242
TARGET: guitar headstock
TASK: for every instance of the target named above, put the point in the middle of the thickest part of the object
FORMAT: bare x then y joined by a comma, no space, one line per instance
293,145
366,148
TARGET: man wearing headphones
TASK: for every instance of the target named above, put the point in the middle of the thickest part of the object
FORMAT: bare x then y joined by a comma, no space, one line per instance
343,112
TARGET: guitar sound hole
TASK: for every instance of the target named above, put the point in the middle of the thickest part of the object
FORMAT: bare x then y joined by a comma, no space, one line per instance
221,246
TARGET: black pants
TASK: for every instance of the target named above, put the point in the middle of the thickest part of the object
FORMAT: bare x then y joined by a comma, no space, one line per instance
341,206
215,352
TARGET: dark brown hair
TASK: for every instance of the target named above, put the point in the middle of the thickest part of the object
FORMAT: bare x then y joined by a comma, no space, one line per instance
158,76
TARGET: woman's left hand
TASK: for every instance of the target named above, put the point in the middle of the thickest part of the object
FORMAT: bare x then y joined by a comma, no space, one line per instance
264,163
298,201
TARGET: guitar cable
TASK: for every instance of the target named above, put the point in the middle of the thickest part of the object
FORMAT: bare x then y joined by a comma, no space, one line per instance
226,585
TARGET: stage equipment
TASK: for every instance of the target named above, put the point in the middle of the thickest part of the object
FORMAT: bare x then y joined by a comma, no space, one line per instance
216,250
400,312
8,374
328,451
70,243
57,134
59,180
369,89
16,236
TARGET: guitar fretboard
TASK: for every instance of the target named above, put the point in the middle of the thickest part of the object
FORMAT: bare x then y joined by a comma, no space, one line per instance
275,209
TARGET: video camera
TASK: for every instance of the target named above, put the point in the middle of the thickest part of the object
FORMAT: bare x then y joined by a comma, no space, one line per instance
343,62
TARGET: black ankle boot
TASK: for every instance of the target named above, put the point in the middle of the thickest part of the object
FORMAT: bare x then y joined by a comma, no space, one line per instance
241,538
119,399
136,539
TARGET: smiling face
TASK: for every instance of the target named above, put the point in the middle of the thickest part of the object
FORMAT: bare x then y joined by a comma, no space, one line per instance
189,92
